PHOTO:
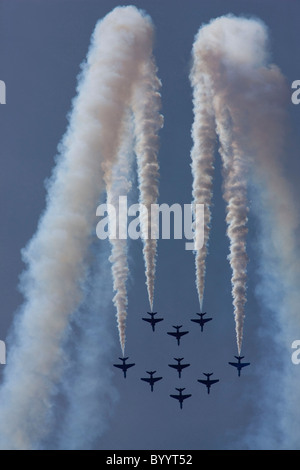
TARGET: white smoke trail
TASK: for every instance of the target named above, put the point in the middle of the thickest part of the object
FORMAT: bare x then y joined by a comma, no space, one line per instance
278,212
235,194
202,154
148,121
56,256
87,384
145,105
250,102
218,61
120,186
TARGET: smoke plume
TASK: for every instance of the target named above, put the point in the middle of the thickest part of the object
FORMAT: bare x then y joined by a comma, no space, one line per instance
57,256
148,121
218,78
120,186
204,138
249,99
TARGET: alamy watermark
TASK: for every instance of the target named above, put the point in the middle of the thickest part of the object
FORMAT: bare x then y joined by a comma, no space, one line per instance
296,354
2,353
2,92
121,221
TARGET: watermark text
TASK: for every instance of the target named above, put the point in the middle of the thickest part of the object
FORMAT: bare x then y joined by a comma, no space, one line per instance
120,221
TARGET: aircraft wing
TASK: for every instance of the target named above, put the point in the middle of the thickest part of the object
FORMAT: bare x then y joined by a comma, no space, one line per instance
183,366
172,334
157,319
204,382
174,366
214,381
245,364
155,379
234,364
185,396
205,320
178,397
183,333
146,380
120,366
129,365
149,320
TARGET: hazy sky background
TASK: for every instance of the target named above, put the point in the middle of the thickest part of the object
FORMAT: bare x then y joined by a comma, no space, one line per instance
42,43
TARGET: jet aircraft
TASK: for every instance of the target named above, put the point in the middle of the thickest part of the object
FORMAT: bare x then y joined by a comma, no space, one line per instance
179,366
239,365
201,321
151,380
152,320
180,397
178,334
208,382
124,366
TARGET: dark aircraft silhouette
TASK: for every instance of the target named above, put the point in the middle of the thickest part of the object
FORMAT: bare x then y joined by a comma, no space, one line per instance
239,365
180,397
208,382
151,380
178,333
201,320
152,320
179,366
124,366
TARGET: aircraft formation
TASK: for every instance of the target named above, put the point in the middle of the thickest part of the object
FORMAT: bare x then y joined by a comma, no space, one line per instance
179,366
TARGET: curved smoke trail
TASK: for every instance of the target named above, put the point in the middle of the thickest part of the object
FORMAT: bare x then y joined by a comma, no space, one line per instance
257,97
148,121
145,105
57,255
221,64
250,99
260,99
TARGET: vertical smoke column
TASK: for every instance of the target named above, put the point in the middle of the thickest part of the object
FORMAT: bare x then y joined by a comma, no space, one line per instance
235,194
120,186
57,255
220,76
250,99
202,154
145,105
148,121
